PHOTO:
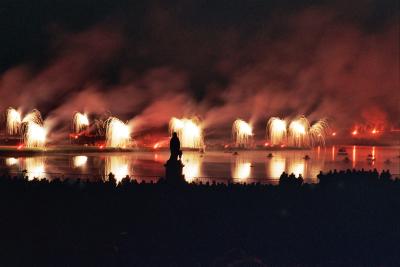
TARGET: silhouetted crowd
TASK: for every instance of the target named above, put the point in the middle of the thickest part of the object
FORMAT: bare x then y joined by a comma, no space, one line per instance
362,177
354,176
349,218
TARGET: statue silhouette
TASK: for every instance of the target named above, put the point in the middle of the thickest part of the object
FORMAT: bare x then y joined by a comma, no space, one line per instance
173,166
175,147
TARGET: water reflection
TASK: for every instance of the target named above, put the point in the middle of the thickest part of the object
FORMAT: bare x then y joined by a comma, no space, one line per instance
373,156
117,165
241,168
11,161
297,167
294,162
277,166
214,164
191,170
35,168
79,161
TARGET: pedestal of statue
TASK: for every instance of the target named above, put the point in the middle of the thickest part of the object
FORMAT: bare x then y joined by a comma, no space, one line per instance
173,171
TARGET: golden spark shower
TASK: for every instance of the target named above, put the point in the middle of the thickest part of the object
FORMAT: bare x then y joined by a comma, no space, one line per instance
276,131
189,132
242,133
31,128
118,133
80,122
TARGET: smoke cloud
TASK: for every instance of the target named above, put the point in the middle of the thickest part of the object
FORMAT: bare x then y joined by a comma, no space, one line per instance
314,62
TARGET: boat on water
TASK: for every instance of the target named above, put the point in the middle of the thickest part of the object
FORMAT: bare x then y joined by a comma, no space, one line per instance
342,152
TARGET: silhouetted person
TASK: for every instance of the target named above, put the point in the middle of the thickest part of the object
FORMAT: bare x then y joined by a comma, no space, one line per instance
300,180
175,147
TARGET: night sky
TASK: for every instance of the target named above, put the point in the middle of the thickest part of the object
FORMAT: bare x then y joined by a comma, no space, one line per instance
146,61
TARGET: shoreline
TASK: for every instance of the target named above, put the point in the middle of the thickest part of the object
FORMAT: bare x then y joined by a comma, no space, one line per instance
15,151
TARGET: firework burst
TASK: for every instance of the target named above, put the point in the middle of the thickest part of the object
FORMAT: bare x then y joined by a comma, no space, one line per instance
118,134
80,122
13,121
298,132
242,133
189,132
276,131
317,132
33,135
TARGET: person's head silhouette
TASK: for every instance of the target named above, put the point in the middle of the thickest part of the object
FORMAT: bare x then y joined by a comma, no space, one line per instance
174,134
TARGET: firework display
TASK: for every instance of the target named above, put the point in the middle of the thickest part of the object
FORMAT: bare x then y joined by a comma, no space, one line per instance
242,133
189,132
118,134
80,122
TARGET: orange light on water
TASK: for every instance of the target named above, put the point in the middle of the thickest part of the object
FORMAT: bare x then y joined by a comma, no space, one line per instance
375,131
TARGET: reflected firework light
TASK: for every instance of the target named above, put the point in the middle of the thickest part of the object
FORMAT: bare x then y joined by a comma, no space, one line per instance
277,166
79,161
118,166
242,133
354,157
241,169
35,168
191,169
189,132
296,167
11,161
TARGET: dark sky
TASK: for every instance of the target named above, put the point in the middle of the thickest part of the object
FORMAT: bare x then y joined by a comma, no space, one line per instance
29,27
148,60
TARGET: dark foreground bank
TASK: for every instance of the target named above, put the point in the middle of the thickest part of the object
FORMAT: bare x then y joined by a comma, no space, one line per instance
348,219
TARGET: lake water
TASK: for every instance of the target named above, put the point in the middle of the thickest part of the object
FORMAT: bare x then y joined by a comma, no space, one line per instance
247,166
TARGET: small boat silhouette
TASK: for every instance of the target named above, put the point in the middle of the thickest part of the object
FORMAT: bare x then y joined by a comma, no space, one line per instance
342,152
